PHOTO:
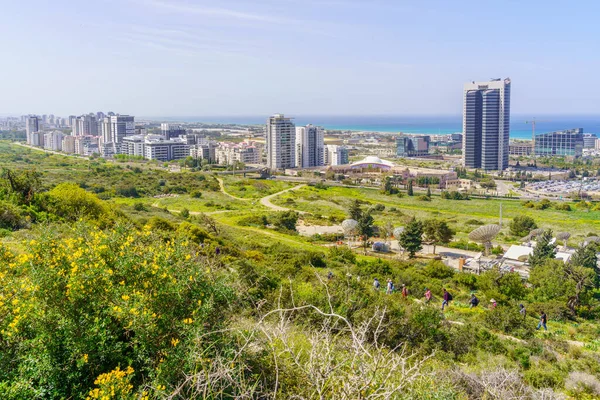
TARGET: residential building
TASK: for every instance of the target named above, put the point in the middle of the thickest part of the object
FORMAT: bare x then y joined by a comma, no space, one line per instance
32,125
81,142
169,131
520,148
281,142
589,140
204,151
486,124
336,155
230,153
121,126
134,145
561,143
309,146
68,144
106,131
86,125
412,146
53,140
165,150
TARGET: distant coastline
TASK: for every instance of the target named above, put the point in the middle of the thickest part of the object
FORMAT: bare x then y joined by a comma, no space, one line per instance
426,125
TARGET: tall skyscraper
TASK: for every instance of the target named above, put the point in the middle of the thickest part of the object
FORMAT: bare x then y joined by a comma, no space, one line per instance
486,124
309,146
121,126
105,131
32,125
281,142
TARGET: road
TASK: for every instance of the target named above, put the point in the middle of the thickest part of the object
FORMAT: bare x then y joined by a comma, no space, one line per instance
266,201
222,186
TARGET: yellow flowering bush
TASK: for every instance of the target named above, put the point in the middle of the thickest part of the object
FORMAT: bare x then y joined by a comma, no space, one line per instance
80,303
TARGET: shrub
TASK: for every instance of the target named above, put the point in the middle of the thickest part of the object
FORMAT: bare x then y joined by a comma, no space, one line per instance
196,194
424,198
192,232
509,320
474,222
127,191
286,220
11,216
70,202
521,225
544,377
161,224
562,207
254,220
139,207
185,213
581,384
439,270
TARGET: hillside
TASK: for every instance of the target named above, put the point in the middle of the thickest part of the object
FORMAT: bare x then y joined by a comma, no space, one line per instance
126,281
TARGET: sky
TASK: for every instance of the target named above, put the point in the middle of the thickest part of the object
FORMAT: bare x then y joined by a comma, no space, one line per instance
319,57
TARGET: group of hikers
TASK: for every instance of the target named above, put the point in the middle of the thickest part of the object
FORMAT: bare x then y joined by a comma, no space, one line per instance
447,298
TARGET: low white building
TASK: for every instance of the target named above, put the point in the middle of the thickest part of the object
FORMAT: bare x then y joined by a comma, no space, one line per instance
230,153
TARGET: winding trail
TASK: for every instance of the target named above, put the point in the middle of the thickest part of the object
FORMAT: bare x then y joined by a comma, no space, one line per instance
266,201
222,186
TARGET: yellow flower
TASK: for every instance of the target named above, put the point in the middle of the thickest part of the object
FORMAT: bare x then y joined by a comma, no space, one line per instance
125,297
174,342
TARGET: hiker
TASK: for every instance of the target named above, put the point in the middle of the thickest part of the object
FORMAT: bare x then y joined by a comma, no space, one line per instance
330,275
543,321
376,284
522,311
427,295
390,286
474,302
447,299
217,250
404,291
494,304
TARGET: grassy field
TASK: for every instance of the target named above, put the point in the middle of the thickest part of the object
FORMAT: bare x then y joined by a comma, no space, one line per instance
336,200
247,188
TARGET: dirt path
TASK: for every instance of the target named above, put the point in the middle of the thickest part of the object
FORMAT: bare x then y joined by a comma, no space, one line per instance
266,201
222,186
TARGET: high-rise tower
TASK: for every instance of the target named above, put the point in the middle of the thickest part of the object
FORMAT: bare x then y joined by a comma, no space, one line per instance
281,142
486,124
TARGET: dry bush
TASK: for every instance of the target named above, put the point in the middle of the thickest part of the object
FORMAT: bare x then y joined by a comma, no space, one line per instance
582,383
499,383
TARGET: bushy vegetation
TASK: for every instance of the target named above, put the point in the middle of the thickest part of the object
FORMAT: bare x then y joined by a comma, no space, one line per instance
131,301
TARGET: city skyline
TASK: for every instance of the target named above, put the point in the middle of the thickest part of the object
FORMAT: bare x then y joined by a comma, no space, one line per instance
337,57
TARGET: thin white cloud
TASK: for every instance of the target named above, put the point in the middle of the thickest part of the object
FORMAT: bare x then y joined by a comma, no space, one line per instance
211,11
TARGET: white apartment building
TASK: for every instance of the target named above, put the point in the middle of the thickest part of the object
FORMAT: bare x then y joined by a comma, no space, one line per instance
230,153
82,141
204,151
154,147
68,144
53,140
281,142
309,146
335,155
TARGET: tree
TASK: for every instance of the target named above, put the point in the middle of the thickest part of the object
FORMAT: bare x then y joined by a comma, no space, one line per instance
410,188
365,227
411,238
388,187
521,225
544,250
22,184
386,230
286,220
428,191
585,256
355,212
437,232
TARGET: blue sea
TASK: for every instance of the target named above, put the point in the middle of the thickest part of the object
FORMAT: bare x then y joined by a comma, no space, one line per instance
411,124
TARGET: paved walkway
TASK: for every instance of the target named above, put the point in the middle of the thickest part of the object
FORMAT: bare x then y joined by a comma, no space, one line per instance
266,201
222,186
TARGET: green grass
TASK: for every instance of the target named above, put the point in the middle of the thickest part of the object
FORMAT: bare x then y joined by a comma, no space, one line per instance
248,188
336,200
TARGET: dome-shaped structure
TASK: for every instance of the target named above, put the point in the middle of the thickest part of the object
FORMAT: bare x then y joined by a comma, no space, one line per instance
398,231
484,235
350,227
591,239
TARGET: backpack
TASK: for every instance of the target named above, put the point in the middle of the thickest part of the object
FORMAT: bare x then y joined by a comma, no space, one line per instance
449,296
475,301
